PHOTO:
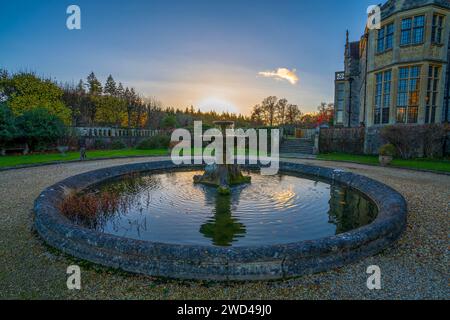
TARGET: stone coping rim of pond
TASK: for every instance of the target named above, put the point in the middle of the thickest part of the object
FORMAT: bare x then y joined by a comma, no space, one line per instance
221,263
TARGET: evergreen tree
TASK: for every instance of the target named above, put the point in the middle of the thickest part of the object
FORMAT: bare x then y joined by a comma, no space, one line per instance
128,99
120,91
80,89
133,96
95,87
4,78
126,94
110,86
3,74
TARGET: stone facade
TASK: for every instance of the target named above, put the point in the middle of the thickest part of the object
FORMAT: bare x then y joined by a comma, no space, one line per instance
399,73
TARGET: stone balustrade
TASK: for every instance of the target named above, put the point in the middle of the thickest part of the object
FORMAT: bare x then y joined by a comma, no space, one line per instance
114,132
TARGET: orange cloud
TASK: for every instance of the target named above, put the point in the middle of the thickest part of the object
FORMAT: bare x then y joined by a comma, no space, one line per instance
281,74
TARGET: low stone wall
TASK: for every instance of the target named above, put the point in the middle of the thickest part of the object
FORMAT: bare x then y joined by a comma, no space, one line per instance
217,263
104,137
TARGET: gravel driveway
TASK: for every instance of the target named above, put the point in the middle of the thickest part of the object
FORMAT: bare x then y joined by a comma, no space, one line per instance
417,267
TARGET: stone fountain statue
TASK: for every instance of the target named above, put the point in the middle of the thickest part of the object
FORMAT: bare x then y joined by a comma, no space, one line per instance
222,175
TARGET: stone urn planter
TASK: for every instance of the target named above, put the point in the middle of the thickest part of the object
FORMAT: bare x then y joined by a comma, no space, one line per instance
63,150
387,153
385,160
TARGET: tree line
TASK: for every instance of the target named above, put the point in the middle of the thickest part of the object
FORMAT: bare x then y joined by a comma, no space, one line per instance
279,112
91,103
114,105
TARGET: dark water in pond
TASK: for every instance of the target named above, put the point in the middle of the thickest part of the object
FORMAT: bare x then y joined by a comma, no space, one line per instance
169,208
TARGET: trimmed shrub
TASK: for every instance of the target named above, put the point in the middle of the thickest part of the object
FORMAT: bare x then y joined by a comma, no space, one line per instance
156,142
417,140
40,129
8,129
118,145
434,139
169,122
100,144
388,150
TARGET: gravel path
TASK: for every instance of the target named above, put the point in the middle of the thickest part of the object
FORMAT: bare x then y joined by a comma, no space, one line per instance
417,267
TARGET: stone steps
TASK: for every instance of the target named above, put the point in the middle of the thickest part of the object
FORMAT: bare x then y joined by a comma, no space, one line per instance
305,146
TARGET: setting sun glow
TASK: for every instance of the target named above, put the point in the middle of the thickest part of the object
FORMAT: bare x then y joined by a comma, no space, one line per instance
217,104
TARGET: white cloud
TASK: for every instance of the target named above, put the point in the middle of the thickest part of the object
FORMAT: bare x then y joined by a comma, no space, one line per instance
281,74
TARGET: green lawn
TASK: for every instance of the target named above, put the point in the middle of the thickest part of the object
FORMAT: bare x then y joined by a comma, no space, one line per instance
424,164
18,160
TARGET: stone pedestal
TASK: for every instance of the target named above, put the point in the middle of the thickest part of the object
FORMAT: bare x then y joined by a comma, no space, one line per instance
223,175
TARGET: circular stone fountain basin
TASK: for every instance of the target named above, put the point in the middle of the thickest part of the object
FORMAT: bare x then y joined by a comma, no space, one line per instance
168,207
277,227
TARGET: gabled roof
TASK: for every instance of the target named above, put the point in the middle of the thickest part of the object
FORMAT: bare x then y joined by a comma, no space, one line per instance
394,6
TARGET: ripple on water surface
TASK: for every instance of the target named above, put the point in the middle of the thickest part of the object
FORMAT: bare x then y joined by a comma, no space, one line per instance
169,208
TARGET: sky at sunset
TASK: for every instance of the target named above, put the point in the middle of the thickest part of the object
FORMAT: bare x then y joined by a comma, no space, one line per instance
226,55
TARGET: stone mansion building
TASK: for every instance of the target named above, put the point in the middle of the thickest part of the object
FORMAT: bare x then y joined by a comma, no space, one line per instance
399,73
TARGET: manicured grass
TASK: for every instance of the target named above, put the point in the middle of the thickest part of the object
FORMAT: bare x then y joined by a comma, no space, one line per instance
424,164
19,160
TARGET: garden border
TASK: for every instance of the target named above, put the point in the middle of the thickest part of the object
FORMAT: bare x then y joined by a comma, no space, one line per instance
217,263
59,162
445,173
282,156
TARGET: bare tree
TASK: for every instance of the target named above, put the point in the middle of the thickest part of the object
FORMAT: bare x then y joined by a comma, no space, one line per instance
293,114
257,116
281,111
153,111
269,106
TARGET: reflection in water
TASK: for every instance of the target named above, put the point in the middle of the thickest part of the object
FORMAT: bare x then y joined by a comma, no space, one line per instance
223,228
169,208
348,210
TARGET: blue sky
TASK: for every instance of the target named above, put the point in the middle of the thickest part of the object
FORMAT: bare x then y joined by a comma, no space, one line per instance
206,53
